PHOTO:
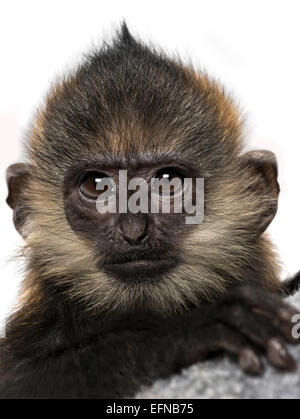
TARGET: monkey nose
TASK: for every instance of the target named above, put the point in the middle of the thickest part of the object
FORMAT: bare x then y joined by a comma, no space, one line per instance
133,227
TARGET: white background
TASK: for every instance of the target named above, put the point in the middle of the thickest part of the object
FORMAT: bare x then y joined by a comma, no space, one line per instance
250,46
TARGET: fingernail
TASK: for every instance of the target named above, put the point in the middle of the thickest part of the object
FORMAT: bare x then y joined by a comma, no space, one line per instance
279,356
250,362
286,314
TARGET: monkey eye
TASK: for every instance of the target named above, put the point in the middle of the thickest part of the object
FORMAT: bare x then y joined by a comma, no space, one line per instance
95,184
168,181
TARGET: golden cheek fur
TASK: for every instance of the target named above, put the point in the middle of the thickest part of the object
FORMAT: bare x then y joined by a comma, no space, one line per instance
207,252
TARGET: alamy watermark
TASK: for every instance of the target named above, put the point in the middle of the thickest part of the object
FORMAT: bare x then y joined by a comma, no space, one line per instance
296,328
160,195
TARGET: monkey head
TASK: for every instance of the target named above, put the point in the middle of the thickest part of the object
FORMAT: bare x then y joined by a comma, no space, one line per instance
129,107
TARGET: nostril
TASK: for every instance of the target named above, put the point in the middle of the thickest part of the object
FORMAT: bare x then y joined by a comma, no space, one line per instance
133,228
134,241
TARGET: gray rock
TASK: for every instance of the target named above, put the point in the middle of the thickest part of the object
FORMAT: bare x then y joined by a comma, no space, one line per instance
222,379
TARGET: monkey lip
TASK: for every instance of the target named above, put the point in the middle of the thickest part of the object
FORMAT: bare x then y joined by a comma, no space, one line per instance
143,267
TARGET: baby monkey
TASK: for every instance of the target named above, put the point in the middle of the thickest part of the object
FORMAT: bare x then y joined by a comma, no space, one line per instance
113,300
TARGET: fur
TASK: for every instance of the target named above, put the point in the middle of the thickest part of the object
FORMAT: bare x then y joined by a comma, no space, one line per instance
128,103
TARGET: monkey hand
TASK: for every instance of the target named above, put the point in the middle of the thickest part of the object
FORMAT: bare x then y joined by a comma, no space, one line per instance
246,323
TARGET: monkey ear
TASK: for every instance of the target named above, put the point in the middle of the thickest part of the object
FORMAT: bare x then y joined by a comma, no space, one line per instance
263,169
16,178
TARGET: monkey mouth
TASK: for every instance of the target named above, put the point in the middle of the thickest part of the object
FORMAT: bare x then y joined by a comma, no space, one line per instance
137,267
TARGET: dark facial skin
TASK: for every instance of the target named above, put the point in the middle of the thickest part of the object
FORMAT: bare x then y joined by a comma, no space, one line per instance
131,247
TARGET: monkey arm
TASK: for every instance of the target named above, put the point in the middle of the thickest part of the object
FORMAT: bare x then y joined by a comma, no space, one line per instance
116,355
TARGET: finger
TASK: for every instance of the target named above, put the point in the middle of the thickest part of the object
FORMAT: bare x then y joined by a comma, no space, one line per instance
270,305
286,327
263,333
250,362
228,340
279,356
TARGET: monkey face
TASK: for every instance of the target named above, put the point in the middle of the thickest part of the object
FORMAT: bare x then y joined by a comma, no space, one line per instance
131,247
130,108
